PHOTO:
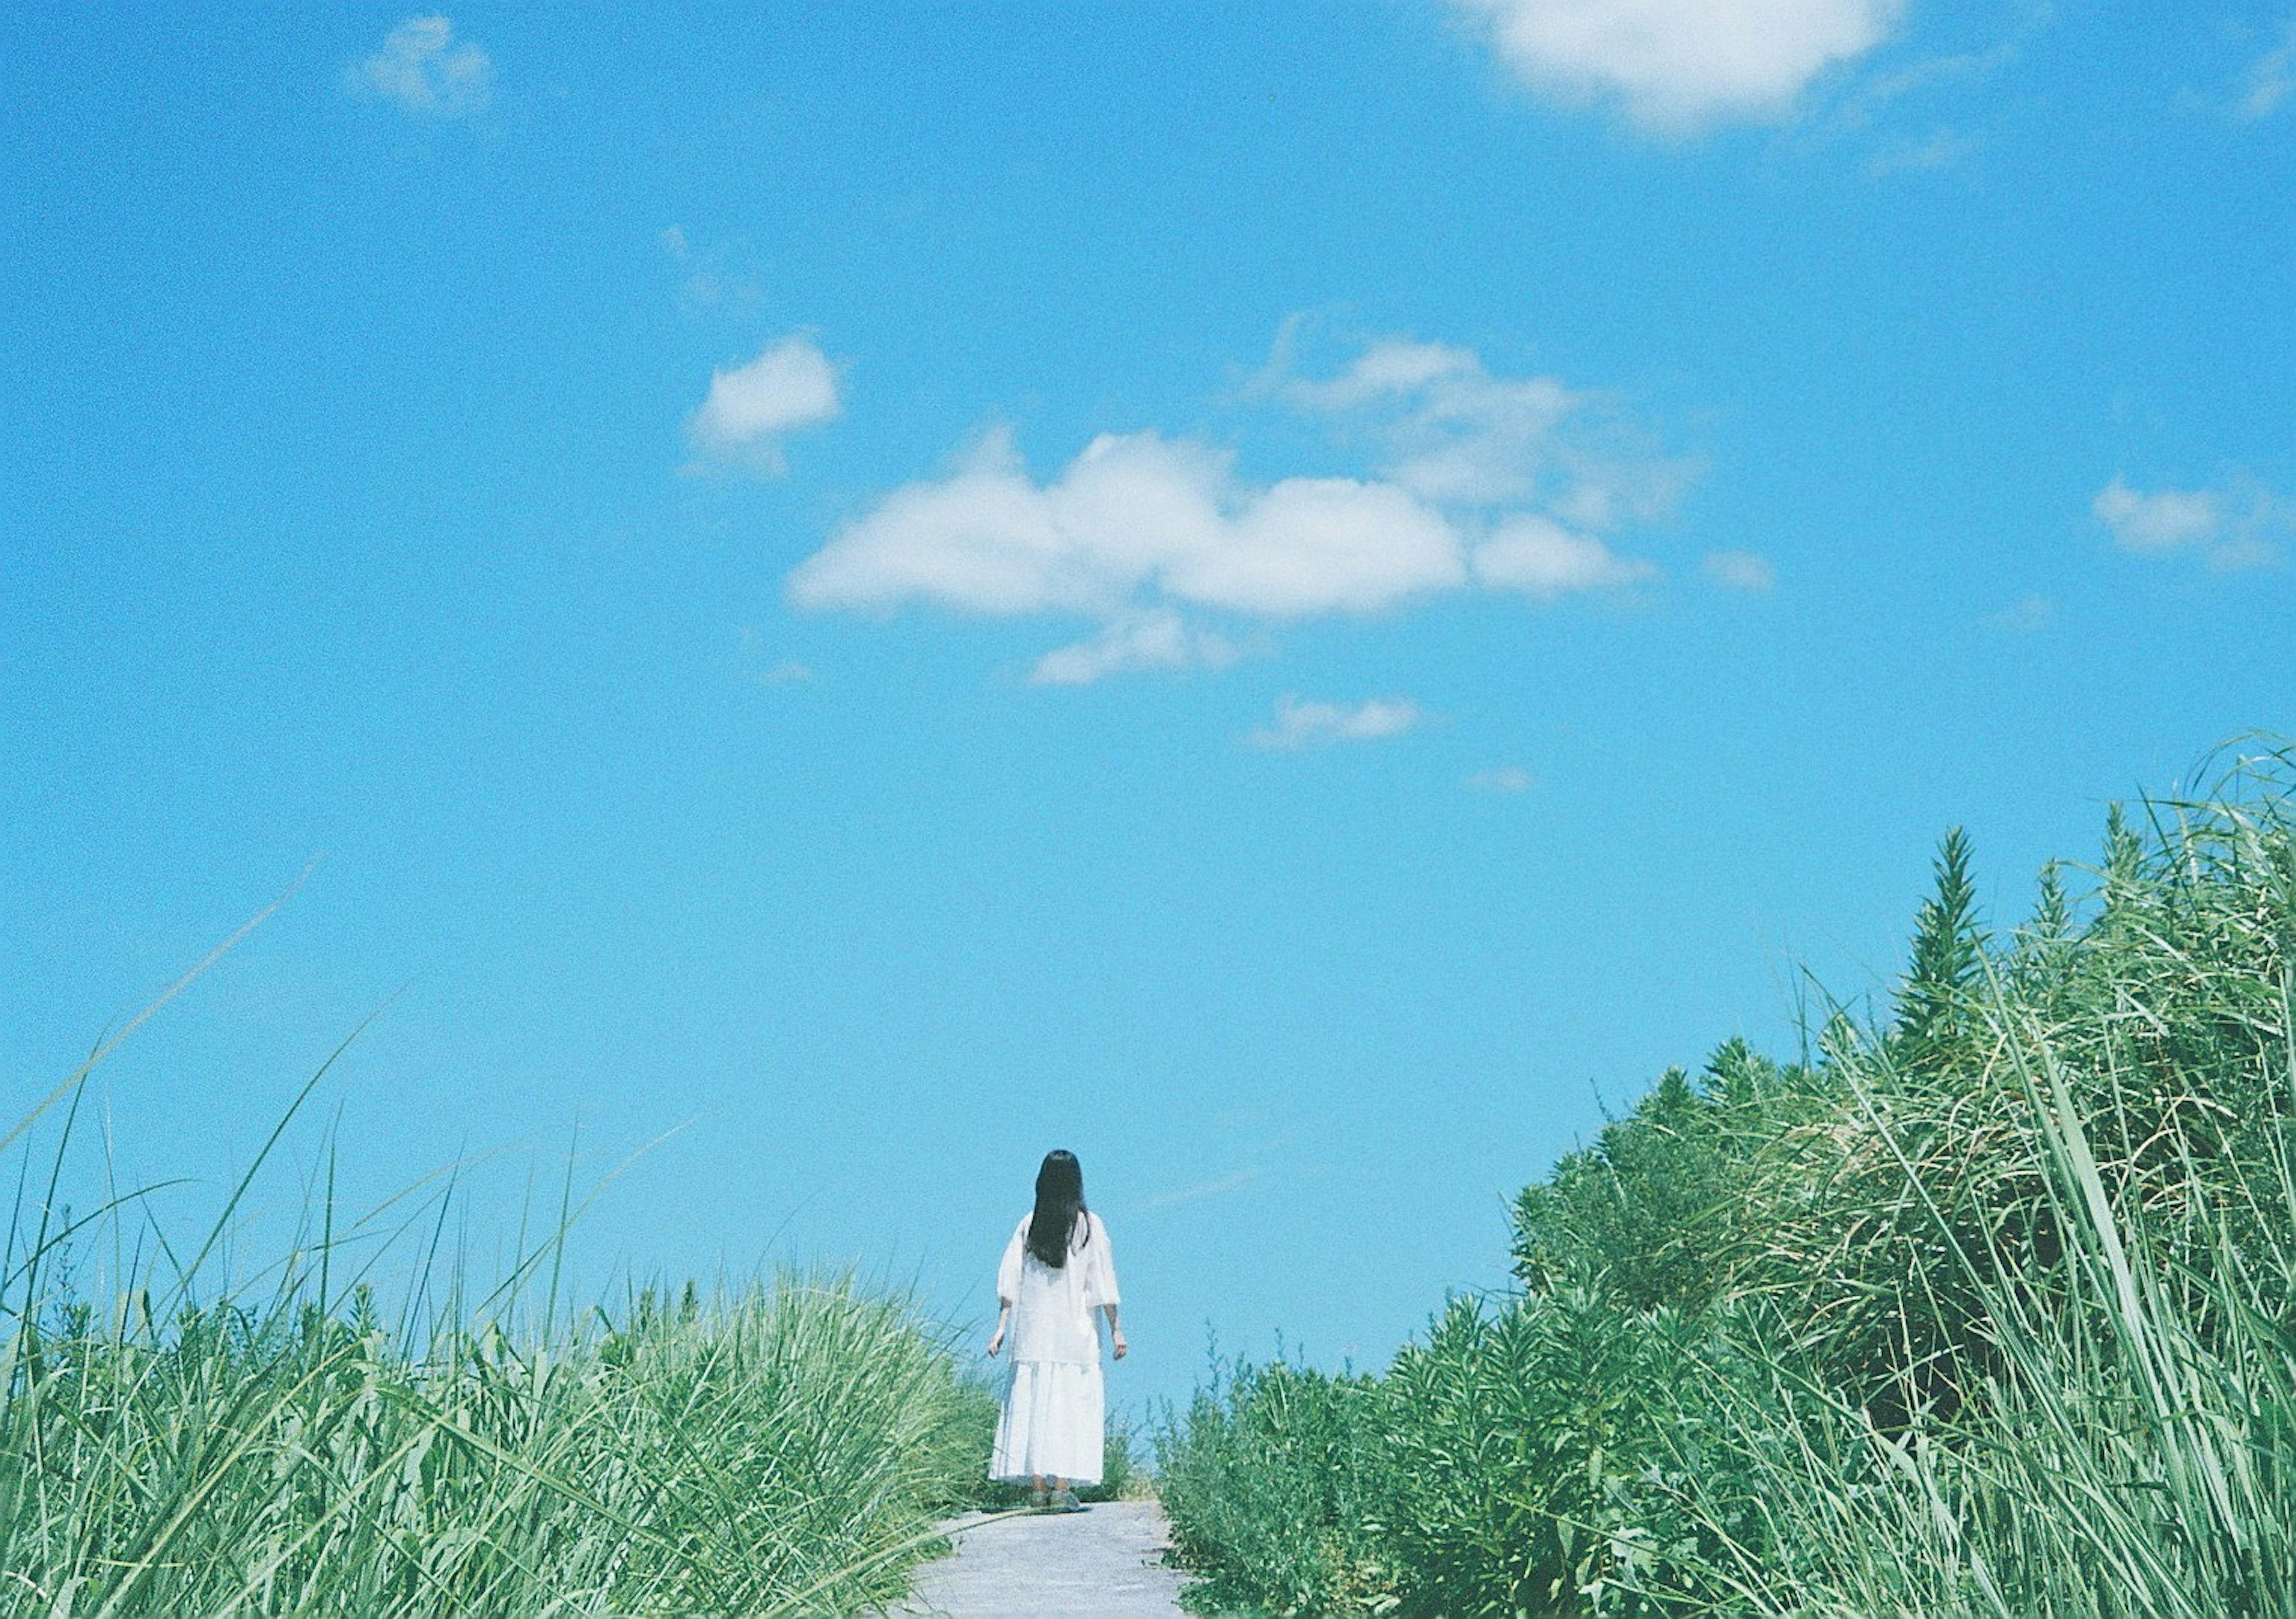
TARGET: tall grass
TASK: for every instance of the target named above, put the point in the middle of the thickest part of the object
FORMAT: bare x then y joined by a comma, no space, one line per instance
1986,1309
1270,1482
182,1446
2126,1443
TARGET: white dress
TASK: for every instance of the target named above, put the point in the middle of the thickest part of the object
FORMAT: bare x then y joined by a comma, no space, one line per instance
1053,1406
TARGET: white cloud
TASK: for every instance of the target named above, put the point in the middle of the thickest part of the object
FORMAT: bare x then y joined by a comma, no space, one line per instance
1299,725
1504,779
425,69
1679,65
1942,149
790,385
1478,479
1449,431
2265,88
1321,545
1391,368
2228,528
761,667
708,284
1155,639
1135,515
2029,616
2172,520
1874,94
1538,555
1744,570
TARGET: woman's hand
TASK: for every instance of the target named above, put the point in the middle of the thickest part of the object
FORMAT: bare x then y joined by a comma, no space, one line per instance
1115,1344
996,1340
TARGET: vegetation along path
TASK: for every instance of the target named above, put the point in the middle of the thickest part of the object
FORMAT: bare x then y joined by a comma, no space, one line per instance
1107,1563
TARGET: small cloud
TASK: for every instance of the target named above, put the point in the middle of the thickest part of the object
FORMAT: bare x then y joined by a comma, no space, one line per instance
1679,66
711,289
1152,640
1504,779
2241,554
790,385
1541,556
709,285
1455,433
1941,149
1398,368
2266,86
2029,616
764,670
1876,94
1940,92
1198,1192
1299,725
425,70
1744,570
2230,528
2172,520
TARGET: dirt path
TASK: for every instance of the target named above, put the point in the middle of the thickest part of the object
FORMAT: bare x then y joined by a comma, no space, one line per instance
1104,1564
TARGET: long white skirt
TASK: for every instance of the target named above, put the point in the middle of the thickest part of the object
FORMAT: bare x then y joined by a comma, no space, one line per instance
1052,1424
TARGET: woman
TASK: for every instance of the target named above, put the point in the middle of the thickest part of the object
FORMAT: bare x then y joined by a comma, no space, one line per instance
1057,1271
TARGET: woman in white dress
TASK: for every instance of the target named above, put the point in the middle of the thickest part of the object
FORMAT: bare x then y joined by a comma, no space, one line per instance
1057,1271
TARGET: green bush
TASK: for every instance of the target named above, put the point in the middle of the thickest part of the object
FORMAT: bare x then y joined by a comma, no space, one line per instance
1988,1309
1524,1446
784,1448
781,1449
1269,1482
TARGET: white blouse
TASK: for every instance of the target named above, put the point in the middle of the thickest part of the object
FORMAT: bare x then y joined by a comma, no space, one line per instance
1052,1309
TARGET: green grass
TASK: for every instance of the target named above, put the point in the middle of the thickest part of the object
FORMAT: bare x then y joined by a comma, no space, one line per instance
1265,1483
775,1451
1984,1307
182,1446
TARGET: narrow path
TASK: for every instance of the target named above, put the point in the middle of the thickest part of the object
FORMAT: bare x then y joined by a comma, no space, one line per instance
1107,1563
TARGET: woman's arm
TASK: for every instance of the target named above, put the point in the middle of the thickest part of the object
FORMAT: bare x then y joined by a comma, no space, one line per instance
1115,1344
1008,1285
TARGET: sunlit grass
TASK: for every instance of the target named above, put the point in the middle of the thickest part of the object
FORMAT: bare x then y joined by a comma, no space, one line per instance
184,1444
1988,1308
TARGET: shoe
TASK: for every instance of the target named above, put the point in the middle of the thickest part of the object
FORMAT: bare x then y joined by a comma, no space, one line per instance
1065,1501
1039,1499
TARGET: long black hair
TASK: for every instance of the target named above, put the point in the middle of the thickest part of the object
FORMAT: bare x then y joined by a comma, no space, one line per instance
1060,1206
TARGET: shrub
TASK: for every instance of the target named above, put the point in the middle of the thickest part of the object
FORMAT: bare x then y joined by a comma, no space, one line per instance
1991,1310
784,1448
1269,1481
1525,1454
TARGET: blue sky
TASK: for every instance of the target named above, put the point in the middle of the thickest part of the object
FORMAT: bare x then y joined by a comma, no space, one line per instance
1287,598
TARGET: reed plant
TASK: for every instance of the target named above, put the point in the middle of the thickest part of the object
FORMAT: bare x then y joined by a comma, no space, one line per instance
185,1446
1986,1308
2121,1434
1270,1480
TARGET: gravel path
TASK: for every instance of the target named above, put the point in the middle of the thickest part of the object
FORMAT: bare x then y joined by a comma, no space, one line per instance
1107,1563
